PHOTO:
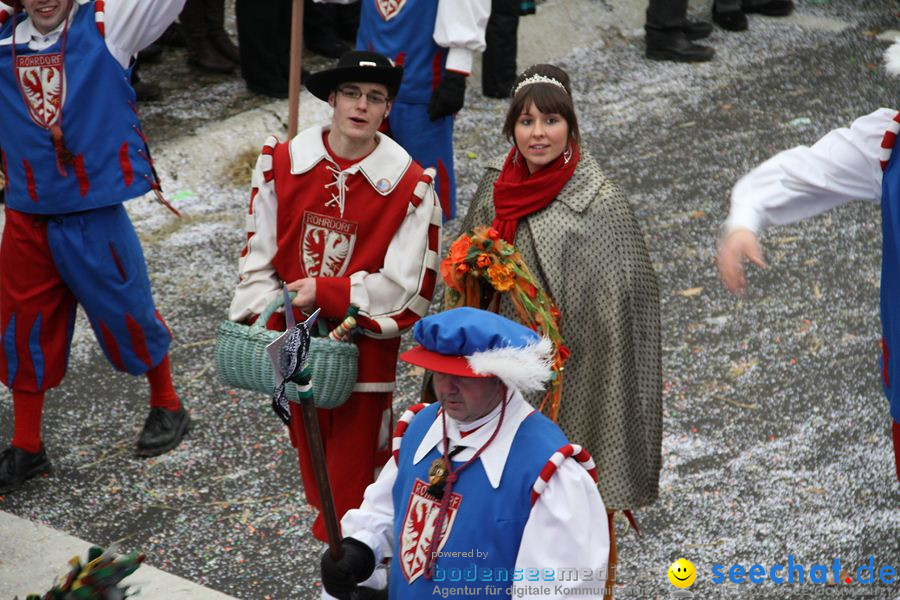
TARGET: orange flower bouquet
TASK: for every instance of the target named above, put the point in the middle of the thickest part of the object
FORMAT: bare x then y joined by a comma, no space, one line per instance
479,268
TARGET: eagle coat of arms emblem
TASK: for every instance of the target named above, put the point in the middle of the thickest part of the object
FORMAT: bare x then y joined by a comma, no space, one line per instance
327,245
389,8
418,528
43,83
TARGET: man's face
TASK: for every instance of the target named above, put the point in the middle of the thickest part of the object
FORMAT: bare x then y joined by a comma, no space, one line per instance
46,14
359,109
467,399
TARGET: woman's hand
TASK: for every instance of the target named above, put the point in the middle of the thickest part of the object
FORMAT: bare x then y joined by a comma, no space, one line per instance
305,299
733,248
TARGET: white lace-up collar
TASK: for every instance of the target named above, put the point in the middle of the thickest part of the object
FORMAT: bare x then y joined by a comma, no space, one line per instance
383,168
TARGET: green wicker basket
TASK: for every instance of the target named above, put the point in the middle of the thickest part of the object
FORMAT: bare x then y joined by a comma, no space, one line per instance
242,361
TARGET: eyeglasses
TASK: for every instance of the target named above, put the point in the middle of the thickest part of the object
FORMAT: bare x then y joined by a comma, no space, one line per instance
354,93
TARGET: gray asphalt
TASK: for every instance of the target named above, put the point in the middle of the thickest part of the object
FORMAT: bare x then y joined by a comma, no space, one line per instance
776,429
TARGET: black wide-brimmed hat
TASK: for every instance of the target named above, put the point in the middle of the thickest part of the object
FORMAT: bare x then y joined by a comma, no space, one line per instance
356,65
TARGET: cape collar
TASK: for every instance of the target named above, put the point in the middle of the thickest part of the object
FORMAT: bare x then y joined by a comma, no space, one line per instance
383,168
495,456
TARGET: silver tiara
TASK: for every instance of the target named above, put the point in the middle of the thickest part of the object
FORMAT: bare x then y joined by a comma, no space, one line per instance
538,79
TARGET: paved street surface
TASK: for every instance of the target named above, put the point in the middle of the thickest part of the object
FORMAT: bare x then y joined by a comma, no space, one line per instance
776,430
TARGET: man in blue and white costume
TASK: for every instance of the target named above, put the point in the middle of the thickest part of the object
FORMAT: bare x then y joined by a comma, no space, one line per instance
847,164
73,152
482,466
435,42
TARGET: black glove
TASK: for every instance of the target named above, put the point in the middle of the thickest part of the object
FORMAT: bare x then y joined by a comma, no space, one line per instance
449,96
364,593
339,577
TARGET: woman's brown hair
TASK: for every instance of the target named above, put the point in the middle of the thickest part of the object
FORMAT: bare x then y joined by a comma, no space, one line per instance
547,97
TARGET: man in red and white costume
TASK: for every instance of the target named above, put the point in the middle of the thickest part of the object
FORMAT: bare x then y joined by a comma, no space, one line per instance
346,217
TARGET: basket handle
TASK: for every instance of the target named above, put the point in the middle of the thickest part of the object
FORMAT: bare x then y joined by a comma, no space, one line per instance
266,314
278,302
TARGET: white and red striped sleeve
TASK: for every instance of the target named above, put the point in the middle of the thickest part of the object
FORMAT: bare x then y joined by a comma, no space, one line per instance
391,300
843,166
402,425
568,507
259,283
573,451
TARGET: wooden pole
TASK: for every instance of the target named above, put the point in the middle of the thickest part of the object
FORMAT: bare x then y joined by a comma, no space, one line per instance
296,67
317,454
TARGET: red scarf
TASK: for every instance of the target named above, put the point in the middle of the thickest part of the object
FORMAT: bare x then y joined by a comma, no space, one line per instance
518,193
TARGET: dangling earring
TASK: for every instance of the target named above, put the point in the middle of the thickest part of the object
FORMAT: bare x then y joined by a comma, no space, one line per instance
567,155
515,159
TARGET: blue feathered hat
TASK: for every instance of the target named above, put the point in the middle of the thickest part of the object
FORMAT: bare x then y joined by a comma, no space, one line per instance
476,343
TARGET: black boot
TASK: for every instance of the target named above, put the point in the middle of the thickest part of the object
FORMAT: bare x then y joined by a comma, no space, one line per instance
215,30
201,53
18,466
163,430
666,36
696,30
678,49
733,20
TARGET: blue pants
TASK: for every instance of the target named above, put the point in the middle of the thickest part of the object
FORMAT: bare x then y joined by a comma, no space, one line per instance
49,265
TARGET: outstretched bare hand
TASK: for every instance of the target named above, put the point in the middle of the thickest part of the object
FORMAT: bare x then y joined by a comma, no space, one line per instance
733,248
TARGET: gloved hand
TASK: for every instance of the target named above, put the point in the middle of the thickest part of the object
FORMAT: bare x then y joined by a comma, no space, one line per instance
365,593
449,96
339,577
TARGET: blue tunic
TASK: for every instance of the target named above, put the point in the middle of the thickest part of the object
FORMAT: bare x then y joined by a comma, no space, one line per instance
403,30
99,122
486,524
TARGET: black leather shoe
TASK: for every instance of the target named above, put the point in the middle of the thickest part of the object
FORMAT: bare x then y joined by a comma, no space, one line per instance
18,466
733,20
680,50
163,430
697,30
773,8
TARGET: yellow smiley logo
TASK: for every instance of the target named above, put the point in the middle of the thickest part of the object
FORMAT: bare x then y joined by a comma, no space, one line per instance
682,573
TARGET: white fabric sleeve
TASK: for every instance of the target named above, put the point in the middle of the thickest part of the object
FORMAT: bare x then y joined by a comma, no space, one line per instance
802,182
259,283
373,522
132,25
460,26
569,509
386,295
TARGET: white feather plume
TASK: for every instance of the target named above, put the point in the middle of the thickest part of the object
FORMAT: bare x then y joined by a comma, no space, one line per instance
892,59
526,368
